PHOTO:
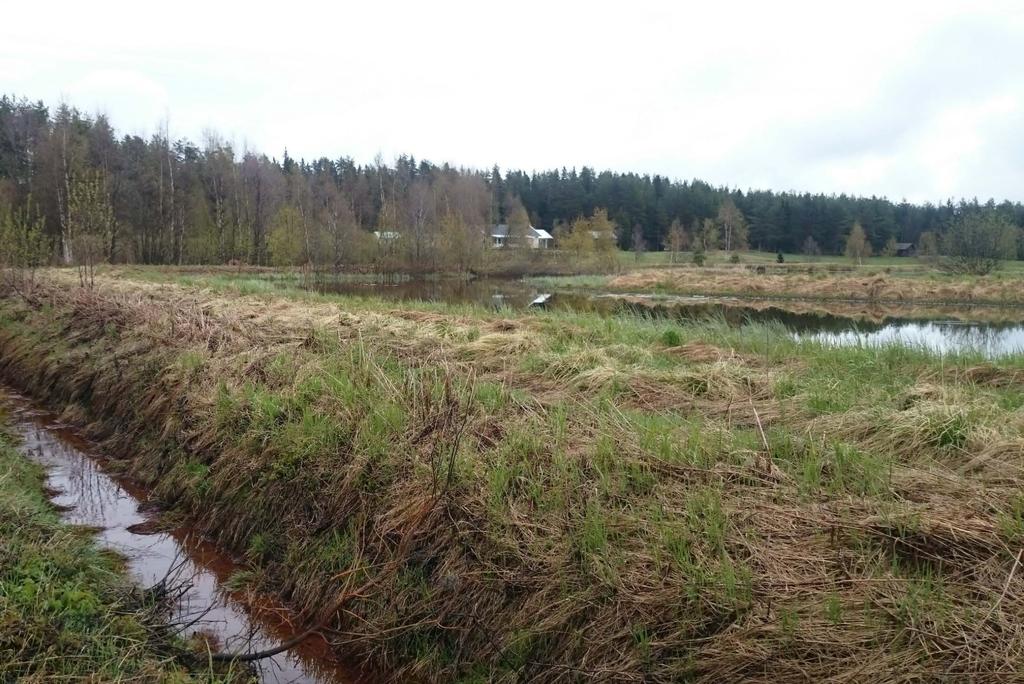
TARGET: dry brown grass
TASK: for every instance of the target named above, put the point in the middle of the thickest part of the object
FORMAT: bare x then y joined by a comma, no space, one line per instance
597,516
821,285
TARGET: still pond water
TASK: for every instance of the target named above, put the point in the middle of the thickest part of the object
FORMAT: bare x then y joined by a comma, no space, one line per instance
999,335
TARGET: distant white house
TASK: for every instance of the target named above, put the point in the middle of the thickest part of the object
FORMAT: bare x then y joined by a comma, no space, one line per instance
386,235
537,238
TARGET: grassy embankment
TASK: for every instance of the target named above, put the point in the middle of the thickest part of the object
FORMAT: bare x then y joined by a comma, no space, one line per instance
67,610
459,495
910,284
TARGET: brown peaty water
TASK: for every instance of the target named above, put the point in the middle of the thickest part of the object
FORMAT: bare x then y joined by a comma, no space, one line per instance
231,622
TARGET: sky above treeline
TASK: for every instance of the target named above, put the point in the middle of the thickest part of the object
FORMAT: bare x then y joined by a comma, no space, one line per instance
912,100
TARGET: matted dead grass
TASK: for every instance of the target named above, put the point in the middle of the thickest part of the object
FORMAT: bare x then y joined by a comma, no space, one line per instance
454,498
823,285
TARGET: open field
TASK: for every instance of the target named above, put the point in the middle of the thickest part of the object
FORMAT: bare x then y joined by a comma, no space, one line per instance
462,495
67,610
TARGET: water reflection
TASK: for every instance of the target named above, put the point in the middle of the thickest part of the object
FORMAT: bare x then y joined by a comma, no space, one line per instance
232,623
999,333
943,337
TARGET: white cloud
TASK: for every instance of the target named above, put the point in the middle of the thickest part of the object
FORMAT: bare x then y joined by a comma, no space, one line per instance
869,98
120,93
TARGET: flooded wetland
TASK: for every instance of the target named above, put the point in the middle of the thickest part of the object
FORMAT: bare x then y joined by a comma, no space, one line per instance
989,330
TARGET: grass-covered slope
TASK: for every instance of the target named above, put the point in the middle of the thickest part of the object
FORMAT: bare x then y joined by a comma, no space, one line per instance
464,496
67,610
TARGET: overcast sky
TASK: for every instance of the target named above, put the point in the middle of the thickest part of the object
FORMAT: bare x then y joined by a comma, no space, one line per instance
916,100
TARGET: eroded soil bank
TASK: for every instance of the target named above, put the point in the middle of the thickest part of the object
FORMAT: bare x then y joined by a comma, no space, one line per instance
456,495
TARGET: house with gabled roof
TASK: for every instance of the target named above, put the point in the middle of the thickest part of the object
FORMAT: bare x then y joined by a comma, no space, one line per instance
536,238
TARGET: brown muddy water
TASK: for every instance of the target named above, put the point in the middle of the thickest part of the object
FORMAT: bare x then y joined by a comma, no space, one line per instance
231,622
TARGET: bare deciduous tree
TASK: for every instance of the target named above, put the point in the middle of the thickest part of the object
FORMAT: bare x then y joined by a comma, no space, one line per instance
639,243
810,247
733,225
977,243
676,241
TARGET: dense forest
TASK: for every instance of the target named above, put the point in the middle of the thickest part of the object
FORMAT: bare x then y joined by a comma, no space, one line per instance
174,201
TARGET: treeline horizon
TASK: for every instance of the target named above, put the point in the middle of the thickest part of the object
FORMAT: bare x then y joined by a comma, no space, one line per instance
174,201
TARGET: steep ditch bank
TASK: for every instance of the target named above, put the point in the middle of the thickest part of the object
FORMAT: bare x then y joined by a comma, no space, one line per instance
123,368
122,418
68,609
169,559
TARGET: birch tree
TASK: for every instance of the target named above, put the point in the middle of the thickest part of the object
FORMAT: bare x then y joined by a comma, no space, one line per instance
857,246
676,240
733,225
92,223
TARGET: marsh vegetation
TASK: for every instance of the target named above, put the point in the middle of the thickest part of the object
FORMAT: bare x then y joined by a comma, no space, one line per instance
462,493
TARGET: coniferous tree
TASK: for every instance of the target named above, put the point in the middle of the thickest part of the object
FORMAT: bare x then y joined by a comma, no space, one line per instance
175,202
